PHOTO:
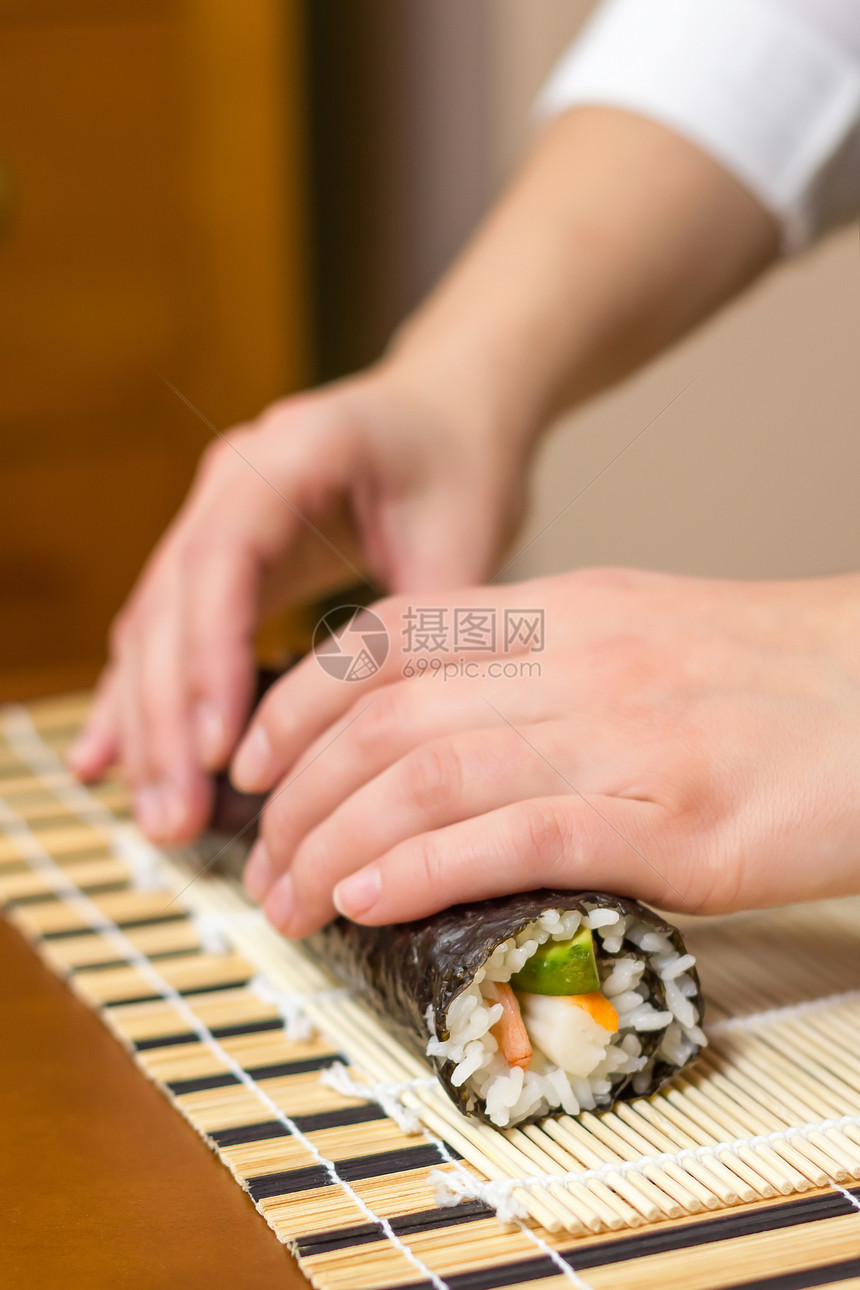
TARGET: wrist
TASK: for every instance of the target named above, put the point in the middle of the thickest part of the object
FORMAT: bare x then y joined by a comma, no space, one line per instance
461,369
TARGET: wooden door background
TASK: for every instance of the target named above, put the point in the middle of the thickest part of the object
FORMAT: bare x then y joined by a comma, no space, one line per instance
152,225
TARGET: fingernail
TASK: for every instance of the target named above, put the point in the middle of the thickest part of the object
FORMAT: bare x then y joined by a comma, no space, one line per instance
148,808
81,750
210,731
259,875
172,810
358,893
160,811
280,904
251,765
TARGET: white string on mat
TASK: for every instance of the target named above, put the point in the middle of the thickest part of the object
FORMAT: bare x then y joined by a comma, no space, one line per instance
292,1007
771,1016
666,1157
852,1200
17,829
560,1262
387,1093
213,928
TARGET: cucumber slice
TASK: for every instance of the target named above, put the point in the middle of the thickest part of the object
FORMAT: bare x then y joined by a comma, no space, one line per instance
560,967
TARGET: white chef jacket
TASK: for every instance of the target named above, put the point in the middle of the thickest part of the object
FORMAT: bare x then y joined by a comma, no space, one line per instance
770,88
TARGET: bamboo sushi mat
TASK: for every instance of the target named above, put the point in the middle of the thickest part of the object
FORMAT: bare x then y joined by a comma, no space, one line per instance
742,1173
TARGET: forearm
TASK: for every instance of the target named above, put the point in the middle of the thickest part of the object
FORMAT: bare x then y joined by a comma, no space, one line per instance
616,238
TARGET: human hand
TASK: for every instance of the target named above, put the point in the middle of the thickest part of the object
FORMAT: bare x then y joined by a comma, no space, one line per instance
688,742
374,472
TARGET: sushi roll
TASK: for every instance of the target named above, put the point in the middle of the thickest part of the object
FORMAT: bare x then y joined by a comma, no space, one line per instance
537,1004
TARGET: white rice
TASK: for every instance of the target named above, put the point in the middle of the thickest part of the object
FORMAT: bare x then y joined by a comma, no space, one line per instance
511,1094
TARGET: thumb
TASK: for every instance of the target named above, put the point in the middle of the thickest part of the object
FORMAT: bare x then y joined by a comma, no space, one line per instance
445,538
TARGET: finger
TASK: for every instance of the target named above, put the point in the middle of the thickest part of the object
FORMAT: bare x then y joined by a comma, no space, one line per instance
222,602
97,746
397,719
173,802
437,784
315,695
132,742
602,843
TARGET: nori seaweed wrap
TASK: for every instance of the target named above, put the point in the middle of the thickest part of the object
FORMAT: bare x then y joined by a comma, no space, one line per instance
412,973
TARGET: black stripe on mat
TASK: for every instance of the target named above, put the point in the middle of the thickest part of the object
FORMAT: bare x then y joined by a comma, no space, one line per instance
55,821
61,818
187,952
90,852
364,1113
355,1169
304,1123
249,1133
165,1041
426,1220
89,889
283,1068
380,1163
180,1086
218,1032
300,1067
801,1280
704,1232
129,923
154,995
327,1242
247,1028
288,1181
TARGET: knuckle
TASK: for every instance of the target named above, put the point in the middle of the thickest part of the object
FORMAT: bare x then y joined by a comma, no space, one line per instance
280,824
201,544
220,454
425,864
433,776
709,871
212,457
389,610
310,865
376,727
606,578
278,415
542,836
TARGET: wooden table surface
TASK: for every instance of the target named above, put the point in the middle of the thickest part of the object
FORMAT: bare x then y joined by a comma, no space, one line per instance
102,1183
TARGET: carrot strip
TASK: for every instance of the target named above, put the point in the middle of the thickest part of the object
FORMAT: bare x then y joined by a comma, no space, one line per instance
510,1032
598,1007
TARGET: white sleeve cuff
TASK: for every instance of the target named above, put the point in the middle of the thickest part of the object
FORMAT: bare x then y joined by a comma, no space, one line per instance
768,94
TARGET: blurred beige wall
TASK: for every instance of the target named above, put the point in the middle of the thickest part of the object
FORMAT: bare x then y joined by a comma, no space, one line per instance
753,471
